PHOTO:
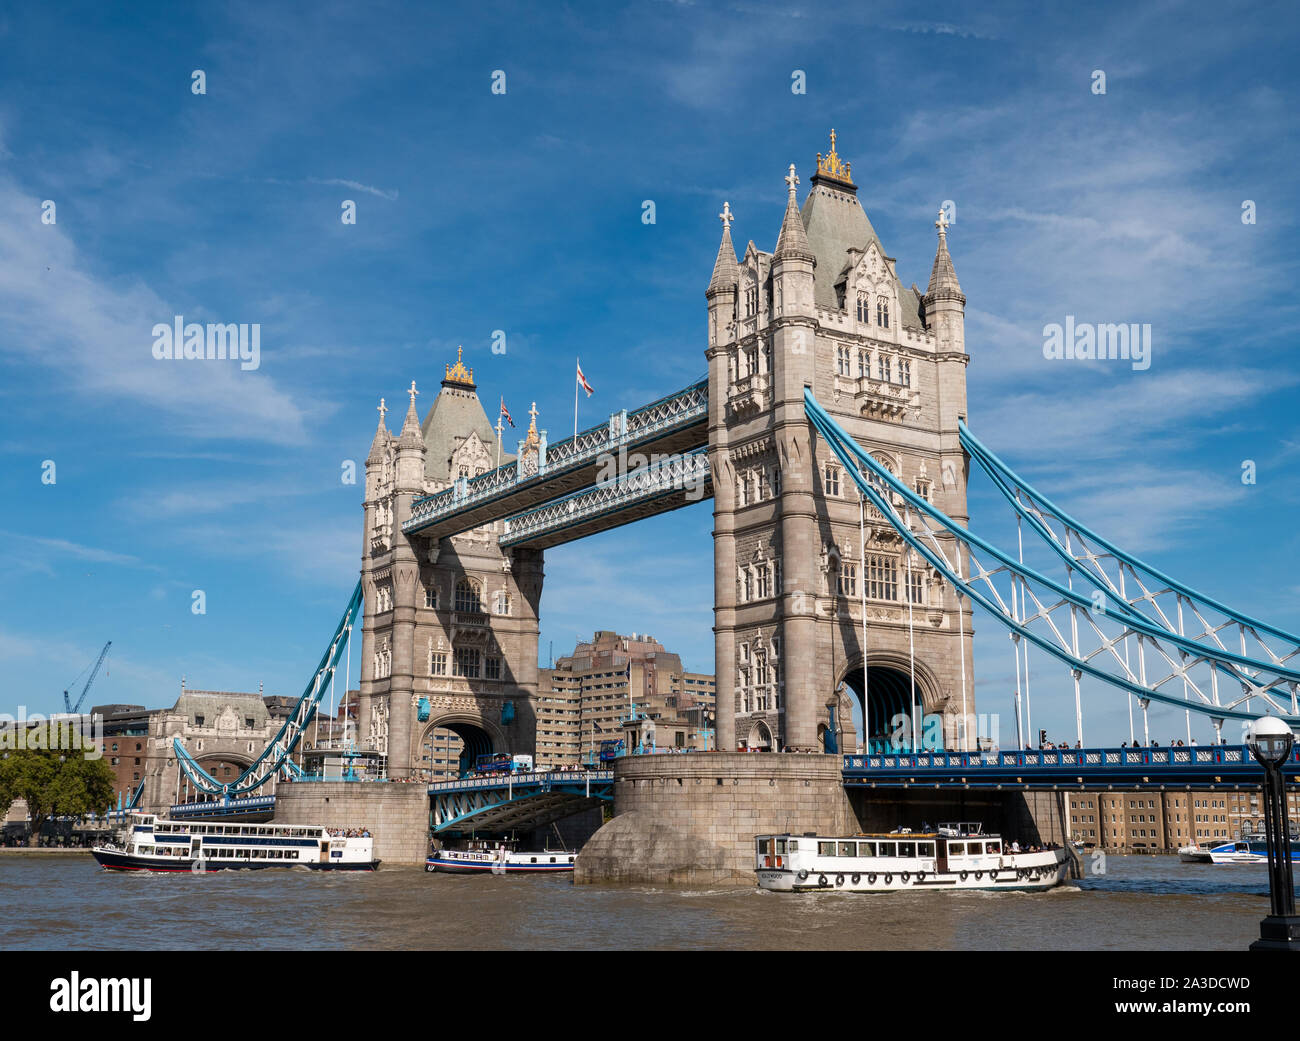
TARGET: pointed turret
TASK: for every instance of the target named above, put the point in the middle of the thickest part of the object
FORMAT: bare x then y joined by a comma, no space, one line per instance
943,276
410,437
793,240
382,437
944,304
726,272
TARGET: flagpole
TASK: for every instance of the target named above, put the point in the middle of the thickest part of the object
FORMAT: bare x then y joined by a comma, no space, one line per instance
575,401
499,430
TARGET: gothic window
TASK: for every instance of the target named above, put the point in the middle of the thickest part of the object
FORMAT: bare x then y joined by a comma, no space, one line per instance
751,358
742,491
464,471
761,477
848,579
764,581
905,372
468,599
831,482
885,370
767,356
882,578
882,313
438,663
751,297
924,488
916,585
864,309
466,663
749,586
843,363
502,603
864,364
430,597
492,667
776,480
744,652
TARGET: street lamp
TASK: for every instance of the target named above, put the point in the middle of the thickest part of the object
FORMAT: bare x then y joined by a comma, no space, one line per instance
1270,741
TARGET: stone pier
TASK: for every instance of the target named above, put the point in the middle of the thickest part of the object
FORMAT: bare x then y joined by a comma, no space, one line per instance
692,818
397,815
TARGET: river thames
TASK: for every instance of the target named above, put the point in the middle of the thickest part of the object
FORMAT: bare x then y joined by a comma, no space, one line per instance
1147,903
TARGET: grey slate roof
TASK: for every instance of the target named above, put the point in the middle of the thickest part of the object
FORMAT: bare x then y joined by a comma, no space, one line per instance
725,270
454,413
836,222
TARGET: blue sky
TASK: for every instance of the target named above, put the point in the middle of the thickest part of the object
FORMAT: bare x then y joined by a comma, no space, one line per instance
522,212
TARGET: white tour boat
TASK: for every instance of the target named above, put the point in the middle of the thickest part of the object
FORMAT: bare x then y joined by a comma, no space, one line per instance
153,843
1194,854
957,856
484,857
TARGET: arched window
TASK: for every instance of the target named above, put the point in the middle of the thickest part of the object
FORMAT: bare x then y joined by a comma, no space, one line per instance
468,599
502,602
882,313
864,309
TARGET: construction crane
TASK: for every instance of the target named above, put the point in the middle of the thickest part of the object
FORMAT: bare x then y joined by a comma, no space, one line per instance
67,701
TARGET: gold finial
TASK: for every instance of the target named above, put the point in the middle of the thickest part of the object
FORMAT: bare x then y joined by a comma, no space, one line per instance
458,373
832,167
532,438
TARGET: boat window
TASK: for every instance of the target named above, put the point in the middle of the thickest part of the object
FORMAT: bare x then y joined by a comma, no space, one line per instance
848,849
907,849
552,860
765,845
826,849
887,849
956,849
866,849
780,845
974,848
533,860
925,849
995,847
794,845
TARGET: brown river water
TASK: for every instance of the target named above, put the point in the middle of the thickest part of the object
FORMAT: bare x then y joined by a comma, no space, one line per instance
1147,903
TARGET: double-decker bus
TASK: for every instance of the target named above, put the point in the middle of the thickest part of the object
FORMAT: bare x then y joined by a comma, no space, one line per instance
493,763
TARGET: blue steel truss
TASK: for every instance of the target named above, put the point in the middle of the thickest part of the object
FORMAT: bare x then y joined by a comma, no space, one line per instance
515,802
1128,582
671,478
275,755
678,411
1072,627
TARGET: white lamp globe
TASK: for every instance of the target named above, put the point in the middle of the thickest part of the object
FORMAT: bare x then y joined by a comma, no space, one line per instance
1269,739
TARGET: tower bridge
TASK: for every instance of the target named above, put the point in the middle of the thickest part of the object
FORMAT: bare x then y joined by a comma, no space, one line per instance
832,437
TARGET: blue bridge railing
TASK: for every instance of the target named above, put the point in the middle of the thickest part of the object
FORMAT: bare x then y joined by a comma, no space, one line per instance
1093,765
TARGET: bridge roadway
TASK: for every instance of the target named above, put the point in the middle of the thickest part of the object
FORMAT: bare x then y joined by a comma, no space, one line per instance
1211,766
515,802
672,426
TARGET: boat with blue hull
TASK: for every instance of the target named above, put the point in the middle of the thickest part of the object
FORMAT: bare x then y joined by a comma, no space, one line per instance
157,844
498,858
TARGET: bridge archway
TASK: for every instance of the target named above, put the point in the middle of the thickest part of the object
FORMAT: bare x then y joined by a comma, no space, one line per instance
461,738
889,694
760,738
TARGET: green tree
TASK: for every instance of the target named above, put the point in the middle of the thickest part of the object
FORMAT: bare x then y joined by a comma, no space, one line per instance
53,781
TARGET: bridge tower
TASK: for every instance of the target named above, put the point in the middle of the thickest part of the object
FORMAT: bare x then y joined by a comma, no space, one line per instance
450,631
826,310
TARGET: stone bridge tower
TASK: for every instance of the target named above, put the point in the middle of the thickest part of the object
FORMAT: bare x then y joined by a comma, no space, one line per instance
826,310
450,633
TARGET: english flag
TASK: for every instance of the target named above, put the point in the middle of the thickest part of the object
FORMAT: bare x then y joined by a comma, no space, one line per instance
505,413
582,381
